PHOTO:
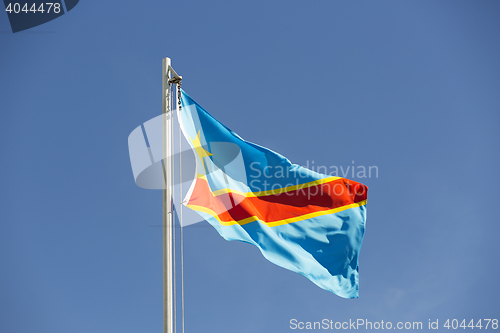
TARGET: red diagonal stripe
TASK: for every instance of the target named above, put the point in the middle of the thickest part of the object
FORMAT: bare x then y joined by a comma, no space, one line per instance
236,207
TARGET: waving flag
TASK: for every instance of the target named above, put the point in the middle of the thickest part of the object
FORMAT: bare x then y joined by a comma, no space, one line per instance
307,222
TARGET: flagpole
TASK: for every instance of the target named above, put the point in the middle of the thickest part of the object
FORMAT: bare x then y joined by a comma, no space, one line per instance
168,318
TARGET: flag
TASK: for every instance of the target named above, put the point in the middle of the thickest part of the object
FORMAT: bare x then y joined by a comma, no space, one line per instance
306,222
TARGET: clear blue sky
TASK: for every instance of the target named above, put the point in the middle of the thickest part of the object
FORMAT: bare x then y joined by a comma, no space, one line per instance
412,87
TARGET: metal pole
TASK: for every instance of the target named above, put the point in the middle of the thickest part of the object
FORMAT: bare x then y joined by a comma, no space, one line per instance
168,318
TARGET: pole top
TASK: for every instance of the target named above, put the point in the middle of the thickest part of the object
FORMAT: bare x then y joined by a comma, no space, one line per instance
172,76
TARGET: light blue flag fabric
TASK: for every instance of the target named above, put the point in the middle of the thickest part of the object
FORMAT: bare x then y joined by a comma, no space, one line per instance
306,222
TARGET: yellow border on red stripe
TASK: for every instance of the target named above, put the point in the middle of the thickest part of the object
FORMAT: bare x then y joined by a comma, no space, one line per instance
280,222
272,192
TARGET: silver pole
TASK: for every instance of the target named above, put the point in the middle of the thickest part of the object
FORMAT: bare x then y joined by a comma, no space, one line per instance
168,318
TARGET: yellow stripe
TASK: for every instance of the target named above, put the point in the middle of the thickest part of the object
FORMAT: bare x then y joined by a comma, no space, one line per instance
280,222
199,175
272,192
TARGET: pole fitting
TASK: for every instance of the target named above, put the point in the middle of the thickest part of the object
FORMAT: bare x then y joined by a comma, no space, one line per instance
175,79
